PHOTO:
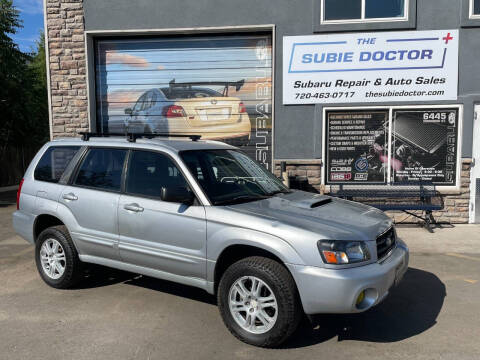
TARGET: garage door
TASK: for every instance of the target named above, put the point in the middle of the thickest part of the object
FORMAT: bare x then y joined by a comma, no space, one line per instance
216,86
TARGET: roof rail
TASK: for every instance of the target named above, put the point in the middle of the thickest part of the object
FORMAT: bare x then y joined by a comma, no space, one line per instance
132,137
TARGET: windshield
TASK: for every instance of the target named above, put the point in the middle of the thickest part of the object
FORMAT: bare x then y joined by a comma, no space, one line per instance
230,176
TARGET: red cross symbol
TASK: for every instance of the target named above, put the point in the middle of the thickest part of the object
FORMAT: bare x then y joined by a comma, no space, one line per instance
447,38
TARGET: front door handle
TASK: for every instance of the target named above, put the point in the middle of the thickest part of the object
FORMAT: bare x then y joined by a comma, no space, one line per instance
70,196
133,207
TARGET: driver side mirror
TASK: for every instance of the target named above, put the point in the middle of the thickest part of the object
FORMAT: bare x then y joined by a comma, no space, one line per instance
128,111
177,195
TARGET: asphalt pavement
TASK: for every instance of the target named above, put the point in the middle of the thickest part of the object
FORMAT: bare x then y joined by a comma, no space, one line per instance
433,314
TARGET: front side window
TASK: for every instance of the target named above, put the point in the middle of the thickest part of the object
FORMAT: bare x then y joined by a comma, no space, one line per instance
53,163
230,176
475,8
363,10
149,171
102,169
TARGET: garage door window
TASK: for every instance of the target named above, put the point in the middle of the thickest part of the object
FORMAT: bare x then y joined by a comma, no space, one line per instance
218,87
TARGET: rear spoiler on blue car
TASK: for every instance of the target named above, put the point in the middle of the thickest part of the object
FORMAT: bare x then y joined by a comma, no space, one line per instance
188,85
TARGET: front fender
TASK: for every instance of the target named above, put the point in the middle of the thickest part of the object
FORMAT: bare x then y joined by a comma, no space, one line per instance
221,237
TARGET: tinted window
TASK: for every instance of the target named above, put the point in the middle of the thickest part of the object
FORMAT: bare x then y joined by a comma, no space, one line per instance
54,162
102,168
149,171
384,8
343,9
476,7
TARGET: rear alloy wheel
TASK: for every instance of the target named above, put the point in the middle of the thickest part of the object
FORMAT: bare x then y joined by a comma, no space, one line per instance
57,259
258,301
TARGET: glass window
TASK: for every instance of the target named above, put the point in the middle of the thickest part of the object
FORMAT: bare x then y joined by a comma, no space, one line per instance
102,168
139,104
476,7
363,9
375,9
343,9
54,162
149,171
229,176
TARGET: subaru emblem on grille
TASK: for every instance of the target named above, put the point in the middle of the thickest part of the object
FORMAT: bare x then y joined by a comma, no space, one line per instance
213,101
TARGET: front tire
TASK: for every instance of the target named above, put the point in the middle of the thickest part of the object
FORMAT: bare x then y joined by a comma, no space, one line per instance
258,301
57,259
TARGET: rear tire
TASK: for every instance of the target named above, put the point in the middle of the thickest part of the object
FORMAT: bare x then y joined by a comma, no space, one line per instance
57,259
278,317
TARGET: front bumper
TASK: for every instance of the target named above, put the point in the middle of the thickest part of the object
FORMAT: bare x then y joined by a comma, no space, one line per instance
336,290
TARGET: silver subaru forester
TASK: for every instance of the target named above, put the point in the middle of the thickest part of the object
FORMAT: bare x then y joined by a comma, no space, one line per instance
202,213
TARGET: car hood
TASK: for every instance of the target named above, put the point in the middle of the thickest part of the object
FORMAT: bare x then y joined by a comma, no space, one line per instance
329,217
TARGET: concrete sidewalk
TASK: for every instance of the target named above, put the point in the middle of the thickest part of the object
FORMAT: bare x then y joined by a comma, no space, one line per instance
450,238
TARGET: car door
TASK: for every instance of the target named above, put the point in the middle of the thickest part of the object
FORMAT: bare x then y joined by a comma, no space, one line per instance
156,234
92,198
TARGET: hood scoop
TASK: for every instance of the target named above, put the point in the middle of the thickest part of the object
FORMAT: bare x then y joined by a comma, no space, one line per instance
313,202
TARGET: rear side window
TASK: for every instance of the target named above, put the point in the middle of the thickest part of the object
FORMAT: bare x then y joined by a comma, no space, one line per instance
102,169
149,171
53,163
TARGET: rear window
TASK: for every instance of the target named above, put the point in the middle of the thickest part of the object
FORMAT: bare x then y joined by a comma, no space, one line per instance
189,93
102,169
53,163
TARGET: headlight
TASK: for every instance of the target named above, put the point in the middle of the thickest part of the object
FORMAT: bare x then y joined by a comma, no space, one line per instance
343,252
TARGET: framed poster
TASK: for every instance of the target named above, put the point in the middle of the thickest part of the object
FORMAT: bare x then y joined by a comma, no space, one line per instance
425,145
356,146
392,145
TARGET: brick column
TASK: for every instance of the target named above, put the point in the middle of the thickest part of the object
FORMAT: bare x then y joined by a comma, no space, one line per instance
66,52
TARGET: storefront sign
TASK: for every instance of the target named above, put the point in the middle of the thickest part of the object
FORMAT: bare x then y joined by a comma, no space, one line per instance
423,146
370,67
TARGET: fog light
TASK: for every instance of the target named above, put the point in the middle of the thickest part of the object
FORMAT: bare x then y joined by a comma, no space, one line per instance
361,297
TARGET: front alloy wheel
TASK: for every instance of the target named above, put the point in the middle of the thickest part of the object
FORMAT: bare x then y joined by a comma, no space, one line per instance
253,305
258,301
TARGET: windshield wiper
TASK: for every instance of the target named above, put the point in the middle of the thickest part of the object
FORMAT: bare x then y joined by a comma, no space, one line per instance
240,199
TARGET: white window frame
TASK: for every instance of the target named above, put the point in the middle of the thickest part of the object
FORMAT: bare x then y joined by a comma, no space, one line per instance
363,19
470,12
443,189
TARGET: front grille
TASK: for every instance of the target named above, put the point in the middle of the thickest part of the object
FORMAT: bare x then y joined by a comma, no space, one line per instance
385,243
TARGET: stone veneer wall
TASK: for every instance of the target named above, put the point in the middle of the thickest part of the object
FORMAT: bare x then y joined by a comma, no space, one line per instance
66,51
456,210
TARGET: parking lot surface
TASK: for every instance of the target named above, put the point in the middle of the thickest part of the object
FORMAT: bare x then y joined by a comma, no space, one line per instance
433,314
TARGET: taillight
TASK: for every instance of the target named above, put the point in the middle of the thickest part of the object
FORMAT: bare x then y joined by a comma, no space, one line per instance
174,111
242,108
18,194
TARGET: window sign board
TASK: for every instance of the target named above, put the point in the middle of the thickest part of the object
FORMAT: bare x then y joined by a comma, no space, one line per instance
357,146
370,67
392,145
424,145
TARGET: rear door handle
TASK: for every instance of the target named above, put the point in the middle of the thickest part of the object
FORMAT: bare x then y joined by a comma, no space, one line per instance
70,196
133,207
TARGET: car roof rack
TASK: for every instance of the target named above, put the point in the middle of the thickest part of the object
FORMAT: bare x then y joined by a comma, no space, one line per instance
132,137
